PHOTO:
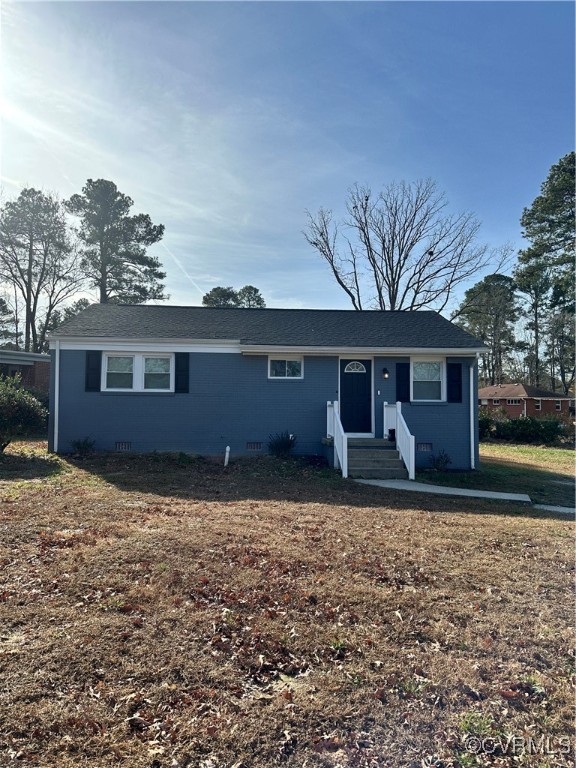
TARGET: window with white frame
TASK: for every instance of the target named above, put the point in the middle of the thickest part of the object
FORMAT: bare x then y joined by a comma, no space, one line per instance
496,402
285,368
428,380
558,405
537,405
512,401
137,372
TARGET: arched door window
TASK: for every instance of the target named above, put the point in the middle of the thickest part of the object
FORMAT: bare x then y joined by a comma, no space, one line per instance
355,367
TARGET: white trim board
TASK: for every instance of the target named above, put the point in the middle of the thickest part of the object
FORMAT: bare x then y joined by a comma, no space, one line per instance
148,346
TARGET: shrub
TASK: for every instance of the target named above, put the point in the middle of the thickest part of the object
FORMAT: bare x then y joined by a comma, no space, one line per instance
281,444
83,446
485,424
529,430
40,395
20,412
440,460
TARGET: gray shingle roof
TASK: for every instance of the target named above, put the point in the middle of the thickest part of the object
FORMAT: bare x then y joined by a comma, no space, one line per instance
270,327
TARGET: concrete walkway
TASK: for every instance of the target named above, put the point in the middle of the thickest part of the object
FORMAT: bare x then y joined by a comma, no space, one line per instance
443,490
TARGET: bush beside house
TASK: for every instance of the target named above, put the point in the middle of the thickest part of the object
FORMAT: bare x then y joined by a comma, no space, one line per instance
497,425
21,414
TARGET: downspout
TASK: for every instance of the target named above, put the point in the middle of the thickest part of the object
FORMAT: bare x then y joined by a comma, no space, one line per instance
56,413
472,421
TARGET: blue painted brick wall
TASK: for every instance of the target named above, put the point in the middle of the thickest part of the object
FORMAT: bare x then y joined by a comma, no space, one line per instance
231,402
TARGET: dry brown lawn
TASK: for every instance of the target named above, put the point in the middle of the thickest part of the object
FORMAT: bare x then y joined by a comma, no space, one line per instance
162,612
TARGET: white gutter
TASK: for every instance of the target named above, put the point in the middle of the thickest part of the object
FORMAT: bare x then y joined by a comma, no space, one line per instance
265,349
56,411
472,424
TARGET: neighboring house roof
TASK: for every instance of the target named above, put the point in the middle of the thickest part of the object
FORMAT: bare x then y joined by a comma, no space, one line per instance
519,390
14,357
270,327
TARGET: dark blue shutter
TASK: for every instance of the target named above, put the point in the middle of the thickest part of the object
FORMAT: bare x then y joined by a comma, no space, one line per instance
454,377
93,371
403,382
181,372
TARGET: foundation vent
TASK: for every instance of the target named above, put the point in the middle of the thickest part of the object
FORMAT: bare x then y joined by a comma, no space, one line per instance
254,446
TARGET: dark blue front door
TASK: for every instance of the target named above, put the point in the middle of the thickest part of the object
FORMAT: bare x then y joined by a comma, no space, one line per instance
356,395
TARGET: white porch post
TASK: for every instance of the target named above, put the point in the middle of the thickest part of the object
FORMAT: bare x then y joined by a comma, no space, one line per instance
472,411
56,405
330,419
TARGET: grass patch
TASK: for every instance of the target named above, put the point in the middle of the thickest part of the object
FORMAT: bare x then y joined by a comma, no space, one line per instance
545,474
158,612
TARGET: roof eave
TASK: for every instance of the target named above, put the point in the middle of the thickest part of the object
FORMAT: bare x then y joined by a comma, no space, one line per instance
264,349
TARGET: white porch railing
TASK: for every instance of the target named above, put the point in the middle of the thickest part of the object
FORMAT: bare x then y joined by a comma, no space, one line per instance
335,430
405,441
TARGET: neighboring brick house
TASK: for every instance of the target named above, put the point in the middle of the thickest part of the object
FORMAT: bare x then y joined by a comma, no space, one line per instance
32,367
525,400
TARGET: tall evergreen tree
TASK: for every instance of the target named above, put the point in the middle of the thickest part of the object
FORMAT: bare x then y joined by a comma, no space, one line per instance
549,225
114,244
8,333
533,280
547,268
489,312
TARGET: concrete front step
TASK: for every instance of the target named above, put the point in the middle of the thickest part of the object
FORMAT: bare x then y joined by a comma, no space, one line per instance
374,459
370,442
366,454
379,473
393,466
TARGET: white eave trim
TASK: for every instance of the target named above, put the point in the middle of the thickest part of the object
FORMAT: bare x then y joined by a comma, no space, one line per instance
253,349
148,344
236,346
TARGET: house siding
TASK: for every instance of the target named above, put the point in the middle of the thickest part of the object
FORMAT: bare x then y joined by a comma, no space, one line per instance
231,402
446,426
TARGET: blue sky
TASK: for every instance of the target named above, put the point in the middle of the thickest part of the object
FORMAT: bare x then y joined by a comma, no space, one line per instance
225,121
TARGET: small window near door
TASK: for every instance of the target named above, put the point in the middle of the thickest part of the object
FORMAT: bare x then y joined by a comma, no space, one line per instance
427,380
558,405
355,367
285,368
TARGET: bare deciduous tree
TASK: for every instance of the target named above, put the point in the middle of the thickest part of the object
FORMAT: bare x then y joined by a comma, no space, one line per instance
37,262
399,250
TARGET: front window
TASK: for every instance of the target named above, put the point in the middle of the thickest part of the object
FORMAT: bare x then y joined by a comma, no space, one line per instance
537,405
120,372
285,368
137,373
558,405
513,401
156,373
427,381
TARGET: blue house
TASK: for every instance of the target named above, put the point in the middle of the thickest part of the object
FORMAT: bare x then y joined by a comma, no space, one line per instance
380,392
